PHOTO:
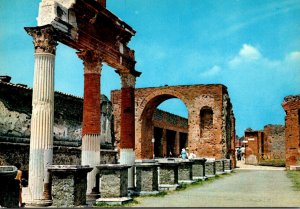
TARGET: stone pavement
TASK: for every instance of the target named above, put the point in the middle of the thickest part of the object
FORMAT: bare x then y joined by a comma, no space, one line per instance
249,186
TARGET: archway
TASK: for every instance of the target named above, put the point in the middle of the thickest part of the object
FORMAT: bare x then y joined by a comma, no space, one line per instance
163,132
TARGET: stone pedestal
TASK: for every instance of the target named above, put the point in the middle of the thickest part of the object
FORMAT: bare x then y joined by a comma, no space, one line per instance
113,183
69,185
185,171
219,166
146,178
227,165
210,168
168,175
199,168
9,187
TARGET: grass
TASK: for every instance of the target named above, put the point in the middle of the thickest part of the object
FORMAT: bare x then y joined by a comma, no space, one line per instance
295,178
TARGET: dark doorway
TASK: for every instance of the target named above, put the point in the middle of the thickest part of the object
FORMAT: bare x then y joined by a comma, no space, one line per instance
182,141
158,149
170,143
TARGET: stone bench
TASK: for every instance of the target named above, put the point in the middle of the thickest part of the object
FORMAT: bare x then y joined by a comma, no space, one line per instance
185,171
219,167
146,178
69,185
168,175
9,187
199,168
210,168
113,184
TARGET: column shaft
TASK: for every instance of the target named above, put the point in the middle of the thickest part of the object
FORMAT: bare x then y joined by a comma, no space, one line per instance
127,136
91,126
41,138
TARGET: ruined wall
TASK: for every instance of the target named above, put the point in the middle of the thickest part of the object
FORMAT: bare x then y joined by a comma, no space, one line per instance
291,105
212,143
15,114
252,147
273,147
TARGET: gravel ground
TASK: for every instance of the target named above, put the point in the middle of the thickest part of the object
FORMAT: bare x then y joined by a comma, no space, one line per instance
249,186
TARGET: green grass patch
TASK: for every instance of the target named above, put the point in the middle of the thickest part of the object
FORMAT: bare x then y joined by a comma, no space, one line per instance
295,178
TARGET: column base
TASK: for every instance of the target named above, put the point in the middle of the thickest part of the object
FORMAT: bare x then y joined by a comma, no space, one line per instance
38,203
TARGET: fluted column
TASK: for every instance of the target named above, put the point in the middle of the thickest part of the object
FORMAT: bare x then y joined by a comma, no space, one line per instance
41,138
91,125
127,136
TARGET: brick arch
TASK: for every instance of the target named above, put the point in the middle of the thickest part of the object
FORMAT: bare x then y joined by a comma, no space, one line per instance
146,111
161,95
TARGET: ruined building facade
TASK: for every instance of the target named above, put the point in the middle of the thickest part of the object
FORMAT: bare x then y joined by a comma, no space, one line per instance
210,128
291,105
265,147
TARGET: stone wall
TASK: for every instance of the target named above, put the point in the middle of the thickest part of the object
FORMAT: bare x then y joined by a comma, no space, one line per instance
291,105
15,114
213,143
252,152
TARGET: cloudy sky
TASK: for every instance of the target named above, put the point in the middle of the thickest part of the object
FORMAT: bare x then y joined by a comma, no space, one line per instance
251,46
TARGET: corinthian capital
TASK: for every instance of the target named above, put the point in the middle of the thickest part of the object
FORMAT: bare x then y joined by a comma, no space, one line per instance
92,60
43,39
128,80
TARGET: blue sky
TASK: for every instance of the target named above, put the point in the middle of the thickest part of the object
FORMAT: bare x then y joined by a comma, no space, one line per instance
251,46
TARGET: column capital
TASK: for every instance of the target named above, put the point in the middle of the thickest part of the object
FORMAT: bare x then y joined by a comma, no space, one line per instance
43,39
127,79
92,60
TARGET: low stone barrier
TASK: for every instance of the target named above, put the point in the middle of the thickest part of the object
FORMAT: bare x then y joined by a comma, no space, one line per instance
9,187
210,168
185,171
113,184
69,185
146,178
168,175
199,168
219,166
227,165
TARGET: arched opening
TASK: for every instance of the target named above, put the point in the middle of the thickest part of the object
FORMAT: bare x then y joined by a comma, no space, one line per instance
206,121
164,127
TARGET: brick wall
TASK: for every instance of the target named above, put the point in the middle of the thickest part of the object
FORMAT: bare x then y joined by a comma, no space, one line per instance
291,105
195,97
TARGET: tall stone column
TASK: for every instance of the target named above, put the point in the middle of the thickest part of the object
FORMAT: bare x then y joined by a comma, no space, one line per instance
90,153
164,143
177,144
41,138
127,136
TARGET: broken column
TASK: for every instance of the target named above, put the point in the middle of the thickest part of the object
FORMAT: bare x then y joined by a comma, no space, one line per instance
127,136
41,139
90,154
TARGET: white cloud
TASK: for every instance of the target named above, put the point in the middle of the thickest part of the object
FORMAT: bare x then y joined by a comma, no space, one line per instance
211,72
247,53
293,56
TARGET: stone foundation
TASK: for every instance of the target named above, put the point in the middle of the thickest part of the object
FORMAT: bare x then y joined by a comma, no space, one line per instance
185,171
69,185
198,168
146,178
219,166
168,173
210,168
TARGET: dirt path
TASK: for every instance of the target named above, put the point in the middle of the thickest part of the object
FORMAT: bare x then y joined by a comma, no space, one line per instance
248,187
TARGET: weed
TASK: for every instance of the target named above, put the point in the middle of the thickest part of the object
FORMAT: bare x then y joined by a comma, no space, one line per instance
295,178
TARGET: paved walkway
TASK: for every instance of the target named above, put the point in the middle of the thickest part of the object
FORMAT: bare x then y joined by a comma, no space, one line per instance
249,186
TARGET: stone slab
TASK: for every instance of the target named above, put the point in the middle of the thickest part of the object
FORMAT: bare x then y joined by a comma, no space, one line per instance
295,167
168,187
114,201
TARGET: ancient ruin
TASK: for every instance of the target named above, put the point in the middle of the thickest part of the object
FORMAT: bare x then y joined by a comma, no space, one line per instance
291,105
265,147
211,128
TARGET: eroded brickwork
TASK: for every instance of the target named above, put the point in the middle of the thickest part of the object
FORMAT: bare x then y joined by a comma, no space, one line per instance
212,143
291,105
252,148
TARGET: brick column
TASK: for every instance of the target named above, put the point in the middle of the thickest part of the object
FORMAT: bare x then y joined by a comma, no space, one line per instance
127,136
41,138
90,153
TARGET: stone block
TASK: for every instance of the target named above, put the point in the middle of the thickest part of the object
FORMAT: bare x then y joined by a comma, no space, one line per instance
199,167
69,185
219,166
185,171
113,180
168,173
146,177
210,168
